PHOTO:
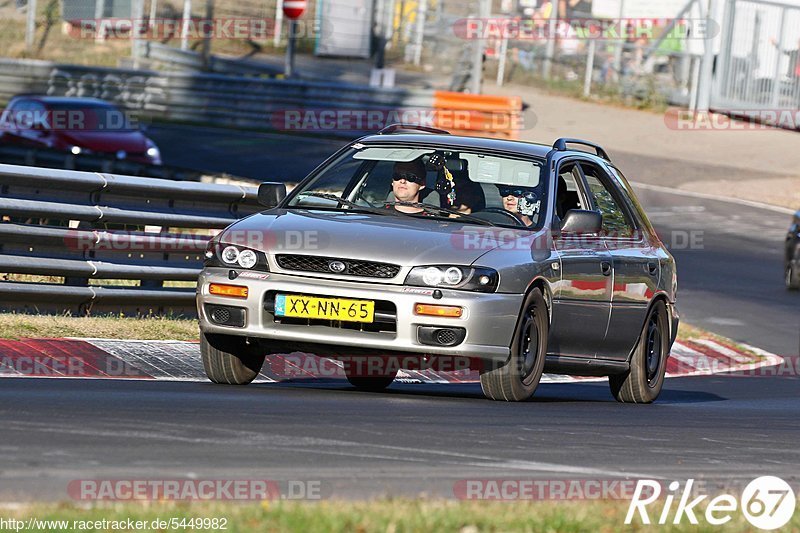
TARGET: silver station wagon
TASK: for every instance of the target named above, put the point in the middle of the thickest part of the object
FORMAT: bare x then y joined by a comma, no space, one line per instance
413,247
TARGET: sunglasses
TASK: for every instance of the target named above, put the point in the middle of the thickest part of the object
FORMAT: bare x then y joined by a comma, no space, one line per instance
408,176
510,191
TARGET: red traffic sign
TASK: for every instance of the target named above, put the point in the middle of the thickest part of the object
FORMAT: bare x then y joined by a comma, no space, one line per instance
294,8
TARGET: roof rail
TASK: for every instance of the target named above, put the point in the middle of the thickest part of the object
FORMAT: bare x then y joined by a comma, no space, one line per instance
411,128
561,145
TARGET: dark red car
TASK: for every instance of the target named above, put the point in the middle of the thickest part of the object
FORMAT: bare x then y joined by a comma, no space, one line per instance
75,125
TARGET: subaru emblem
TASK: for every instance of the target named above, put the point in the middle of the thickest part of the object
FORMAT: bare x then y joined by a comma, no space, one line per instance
337,266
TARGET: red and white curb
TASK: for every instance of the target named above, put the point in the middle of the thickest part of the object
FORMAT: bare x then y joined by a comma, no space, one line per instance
180,361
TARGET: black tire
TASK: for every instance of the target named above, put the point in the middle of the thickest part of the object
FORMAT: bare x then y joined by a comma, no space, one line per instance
643,382
369,383
793,273
230,360
517,380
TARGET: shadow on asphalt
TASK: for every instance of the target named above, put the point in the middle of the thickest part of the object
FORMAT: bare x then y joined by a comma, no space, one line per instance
546,393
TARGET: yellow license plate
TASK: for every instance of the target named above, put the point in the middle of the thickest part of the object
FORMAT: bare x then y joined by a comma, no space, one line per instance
292,305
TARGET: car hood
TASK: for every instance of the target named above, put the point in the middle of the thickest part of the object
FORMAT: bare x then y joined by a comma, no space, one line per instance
132,142
396,239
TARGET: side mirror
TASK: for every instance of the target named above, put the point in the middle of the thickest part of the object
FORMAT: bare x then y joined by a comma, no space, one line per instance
271,194
581,222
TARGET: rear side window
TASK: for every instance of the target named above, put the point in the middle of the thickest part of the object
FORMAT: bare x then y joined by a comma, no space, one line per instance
616,221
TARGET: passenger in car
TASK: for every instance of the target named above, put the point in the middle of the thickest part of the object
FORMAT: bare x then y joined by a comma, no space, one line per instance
524,201
408,179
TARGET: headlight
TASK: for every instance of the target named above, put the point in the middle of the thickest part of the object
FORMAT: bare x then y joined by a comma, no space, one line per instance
479,279
227,255
247,259
230,254
75,150
153,152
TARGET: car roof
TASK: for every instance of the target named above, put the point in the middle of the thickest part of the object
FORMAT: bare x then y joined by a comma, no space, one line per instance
462,142
63,99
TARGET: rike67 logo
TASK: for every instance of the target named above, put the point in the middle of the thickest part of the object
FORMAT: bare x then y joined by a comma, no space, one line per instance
767,502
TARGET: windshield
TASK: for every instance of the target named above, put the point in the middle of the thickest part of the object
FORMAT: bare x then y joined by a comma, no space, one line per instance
466,186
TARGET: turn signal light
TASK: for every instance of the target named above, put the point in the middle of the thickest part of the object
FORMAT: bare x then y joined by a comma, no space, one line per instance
234,291
438,310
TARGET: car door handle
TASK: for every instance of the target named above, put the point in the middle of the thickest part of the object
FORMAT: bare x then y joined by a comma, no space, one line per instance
652,268
605,266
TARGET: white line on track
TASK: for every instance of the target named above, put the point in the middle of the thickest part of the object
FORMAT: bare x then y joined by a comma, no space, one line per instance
706,196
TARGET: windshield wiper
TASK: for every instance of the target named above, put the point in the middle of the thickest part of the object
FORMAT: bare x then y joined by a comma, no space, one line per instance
433,210
344,201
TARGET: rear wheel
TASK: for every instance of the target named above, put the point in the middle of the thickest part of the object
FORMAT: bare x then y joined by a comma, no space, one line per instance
230,360
793,273
643,382
517,380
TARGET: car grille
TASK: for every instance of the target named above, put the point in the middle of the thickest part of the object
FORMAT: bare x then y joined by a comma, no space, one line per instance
353,267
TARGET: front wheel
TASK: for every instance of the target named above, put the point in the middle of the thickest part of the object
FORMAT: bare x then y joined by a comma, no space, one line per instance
645,378
517,380
230,360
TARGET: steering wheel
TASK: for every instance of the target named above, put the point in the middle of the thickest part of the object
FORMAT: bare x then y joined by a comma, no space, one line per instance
516,219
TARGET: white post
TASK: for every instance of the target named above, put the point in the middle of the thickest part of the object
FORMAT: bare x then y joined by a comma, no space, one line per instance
694,84
30,26
99,26
501,65
276,39
186,20
476,77
550,50
618,51
422,12
137,14
153,12
706,68
587,77
776,84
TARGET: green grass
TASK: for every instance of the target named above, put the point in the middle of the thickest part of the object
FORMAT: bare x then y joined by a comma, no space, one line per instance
16,326
386,515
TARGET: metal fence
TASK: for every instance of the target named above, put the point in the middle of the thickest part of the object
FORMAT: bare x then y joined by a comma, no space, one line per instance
758,67
92,242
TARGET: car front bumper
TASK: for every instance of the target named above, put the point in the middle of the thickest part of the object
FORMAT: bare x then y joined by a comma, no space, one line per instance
489,318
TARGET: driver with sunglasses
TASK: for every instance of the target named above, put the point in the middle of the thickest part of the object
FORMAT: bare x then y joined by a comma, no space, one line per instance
408,179
522,201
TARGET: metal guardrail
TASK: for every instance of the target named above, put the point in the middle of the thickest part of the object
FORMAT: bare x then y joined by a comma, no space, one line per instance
49,158
240,101
135,233
188,59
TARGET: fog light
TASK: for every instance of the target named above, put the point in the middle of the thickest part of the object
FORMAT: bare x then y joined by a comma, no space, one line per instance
451,311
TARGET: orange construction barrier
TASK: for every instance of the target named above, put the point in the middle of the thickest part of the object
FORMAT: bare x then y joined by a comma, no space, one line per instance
478,114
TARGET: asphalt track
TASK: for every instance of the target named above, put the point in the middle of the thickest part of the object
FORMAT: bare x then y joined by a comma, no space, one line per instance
417,439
